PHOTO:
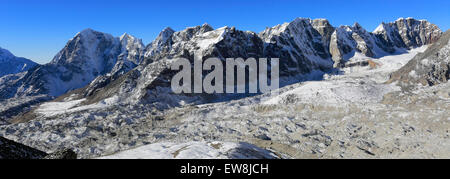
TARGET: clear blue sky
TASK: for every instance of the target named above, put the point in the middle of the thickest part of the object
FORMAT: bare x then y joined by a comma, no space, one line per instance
38,29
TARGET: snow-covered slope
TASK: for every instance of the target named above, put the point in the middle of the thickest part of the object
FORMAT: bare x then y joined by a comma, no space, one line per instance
10,64
359,85
195,150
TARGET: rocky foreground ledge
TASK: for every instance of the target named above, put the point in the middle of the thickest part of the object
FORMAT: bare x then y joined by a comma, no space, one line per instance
13,150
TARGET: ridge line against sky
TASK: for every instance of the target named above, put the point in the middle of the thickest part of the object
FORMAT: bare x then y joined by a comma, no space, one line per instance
37,30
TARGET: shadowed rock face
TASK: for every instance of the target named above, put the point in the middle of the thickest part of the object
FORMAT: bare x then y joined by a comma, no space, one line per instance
66,154
429,68
13,150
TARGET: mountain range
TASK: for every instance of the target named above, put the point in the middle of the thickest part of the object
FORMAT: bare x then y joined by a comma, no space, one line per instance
304,46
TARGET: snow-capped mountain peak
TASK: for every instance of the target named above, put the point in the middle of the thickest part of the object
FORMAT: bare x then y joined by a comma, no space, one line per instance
10,64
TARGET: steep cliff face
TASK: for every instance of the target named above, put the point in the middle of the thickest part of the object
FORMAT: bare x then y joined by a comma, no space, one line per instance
388,38
346,41
130,56
429,68
299,46
325,29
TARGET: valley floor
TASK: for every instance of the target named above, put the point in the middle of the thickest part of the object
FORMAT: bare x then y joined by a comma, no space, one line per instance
351,115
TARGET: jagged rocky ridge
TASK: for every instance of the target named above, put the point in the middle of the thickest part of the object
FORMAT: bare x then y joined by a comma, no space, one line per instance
10,64
429,68
12,150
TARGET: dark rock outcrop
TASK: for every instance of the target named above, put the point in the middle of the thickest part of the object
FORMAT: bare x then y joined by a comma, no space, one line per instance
13,150
66,154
